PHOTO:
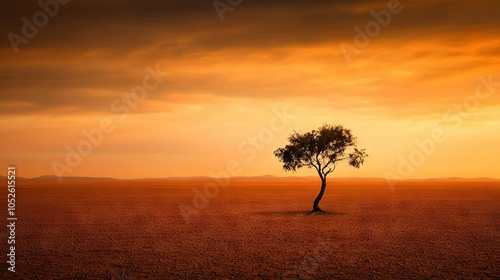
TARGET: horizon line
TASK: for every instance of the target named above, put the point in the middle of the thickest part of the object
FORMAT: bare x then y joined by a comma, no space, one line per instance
266,176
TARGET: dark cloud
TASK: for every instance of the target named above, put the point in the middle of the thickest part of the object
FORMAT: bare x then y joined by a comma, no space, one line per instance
104,46
125,25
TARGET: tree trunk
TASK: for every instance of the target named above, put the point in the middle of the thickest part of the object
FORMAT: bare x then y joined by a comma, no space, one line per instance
316,208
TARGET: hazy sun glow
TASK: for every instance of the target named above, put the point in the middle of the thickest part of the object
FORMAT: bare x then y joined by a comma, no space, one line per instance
226,80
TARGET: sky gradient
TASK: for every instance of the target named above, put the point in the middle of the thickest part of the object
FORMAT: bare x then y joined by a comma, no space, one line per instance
432,69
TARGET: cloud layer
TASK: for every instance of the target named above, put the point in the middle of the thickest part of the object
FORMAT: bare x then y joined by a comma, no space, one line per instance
427,58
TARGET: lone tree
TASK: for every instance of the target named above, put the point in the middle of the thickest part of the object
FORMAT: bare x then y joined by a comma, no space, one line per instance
322,149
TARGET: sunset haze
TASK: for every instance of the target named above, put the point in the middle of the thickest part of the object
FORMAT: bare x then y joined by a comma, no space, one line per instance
421,94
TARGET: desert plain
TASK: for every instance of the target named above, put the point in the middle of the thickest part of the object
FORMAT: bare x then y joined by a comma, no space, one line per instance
256,229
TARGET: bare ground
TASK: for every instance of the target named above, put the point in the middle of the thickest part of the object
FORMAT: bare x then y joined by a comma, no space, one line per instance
257,230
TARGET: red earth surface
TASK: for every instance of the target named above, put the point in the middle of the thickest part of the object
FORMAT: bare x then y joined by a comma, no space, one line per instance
256,230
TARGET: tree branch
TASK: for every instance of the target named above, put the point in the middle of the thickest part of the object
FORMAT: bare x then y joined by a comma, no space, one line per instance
329,162
343,158
318,162
312,164
331,170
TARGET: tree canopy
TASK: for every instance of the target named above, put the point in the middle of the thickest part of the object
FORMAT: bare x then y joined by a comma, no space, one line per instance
322,149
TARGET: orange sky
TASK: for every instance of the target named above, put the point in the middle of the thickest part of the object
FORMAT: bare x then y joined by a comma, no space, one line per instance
226,80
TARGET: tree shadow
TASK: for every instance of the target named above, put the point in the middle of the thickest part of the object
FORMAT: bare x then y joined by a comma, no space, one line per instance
297,213
326,213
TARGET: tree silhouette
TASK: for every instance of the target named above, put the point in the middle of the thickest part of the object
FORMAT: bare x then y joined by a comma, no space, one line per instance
322,149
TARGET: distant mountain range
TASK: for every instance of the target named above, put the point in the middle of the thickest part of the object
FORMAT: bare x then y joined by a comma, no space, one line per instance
263,178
